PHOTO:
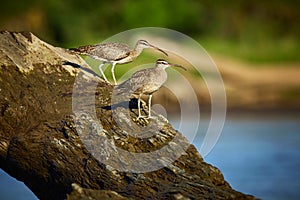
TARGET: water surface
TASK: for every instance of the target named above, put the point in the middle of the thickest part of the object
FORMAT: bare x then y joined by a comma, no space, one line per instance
260,156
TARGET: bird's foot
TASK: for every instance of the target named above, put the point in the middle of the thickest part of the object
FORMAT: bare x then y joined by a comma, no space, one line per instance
141,117
146,117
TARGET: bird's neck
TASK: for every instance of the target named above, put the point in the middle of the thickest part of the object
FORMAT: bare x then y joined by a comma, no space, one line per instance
161,74
137,50
162,68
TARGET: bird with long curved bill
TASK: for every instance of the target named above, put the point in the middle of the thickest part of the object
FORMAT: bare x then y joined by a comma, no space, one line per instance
146,81
114,53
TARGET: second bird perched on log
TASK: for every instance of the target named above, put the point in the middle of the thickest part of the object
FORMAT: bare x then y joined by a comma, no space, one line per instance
146,81
114,53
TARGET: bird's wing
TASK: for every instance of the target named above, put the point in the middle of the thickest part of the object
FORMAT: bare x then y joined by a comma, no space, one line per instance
136,81
111,51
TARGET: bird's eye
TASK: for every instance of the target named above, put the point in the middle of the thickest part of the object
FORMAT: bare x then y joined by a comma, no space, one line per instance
143,42
162,62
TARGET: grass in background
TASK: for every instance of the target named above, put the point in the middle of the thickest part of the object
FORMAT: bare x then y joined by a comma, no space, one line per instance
270,50
256,31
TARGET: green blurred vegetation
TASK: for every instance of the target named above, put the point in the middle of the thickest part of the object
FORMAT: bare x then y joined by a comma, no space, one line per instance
256,31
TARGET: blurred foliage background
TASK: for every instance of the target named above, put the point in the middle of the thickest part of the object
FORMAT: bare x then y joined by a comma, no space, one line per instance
256,31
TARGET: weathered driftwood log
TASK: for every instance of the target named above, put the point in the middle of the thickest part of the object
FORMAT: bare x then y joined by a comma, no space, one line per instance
59,126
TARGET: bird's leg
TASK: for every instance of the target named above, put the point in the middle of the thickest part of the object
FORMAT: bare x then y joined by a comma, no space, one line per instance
149,104
113,73
101,71
139,107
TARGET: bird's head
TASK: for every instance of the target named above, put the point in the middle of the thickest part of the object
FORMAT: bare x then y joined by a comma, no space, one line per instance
143,44
164,64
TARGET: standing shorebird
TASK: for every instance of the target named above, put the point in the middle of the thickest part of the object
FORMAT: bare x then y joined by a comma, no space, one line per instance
114,53
146,81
